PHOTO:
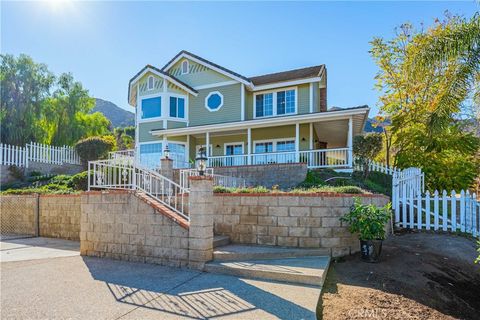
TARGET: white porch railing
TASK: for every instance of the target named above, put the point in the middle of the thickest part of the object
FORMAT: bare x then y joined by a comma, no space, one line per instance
218,180
120,173
36,152
322,158
376,166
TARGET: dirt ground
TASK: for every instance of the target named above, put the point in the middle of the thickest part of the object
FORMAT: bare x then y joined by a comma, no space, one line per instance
420,276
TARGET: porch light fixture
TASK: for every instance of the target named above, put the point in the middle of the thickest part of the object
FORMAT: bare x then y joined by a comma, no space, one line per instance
303,139
166,152
201,160
217,146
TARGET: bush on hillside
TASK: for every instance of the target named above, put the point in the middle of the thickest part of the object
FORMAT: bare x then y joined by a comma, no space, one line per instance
80,181
366,148
94,148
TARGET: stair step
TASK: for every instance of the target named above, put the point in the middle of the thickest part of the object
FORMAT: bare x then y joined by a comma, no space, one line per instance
219,241
251,252
164,210
302,270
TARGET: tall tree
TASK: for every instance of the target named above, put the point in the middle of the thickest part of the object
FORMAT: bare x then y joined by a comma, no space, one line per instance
425,101
24,87
37,106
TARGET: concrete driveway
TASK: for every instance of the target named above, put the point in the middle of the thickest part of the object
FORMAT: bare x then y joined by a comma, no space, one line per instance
63,285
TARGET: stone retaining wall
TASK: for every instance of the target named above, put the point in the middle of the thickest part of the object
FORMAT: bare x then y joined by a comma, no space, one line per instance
60,216
118,225
291,220
286,175
55,216
18,215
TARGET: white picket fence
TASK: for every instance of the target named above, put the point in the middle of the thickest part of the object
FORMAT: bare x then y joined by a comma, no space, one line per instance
445,211
376,166
36,152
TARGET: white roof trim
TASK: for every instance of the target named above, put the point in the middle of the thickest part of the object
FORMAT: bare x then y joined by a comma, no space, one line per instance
286,83
268,122
161,75
225,73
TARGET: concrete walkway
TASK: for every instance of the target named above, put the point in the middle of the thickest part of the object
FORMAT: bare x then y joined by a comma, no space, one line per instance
92,288
37,248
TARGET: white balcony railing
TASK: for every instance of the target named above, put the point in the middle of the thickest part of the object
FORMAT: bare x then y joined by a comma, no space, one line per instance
322,158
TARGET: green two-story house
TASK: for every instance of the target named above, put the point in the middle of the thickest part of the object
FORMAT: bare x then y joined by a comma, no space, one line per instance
192,103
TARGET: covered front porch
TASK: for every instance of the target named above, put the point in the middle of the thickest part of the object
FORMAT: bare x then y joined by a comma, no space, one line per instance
322,140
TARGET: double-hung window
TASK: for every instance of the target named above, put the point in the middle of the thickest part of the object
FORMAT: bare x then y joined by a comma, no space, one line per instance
177,107
264,105
151,107
275,103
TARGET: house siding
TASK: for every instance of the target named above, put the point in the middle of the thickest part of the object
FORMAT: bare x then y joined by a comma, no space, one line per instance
198,75
229,112
142,84
144,134
303,99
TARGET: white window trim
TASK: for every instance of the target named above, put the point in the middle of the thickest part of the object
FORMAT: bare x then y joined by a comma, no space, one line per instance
165,108
233,144
274,102
148,83
150,96
274,144
188,66
185,98
211,94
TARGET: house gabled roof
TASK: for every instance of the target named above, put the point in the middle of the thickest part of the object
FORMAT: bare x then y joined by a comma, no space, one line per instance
214,66
296,74
168,76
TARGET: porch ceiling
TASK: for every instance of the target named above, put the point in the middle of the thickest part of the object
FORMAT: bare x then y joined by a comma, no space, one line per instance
335,132
359,115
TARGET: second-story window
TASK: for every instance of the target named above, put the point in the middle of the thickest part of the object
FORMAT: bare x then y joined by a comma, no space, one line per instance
151,108
280,102
264,105
177,107
185,67
151,83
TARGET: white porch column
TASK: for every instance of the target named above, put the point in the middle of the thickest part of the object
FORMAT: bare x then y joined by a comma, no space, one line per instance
207,144
310,146
297,142
350,142
249,146
187,151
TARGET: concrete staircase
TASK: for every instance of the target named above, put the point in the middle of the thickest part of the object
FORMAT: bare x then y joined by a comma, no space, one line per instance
302,266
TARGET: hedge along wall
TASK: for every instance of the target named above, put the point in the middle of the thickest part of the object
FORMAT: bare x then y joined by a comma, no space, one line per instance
58,216
291,220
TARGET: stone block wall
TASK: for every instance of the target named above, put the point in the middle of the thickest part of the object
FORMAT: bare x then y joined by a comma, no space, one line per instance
60,216
290,220
286,175
18,215
119,225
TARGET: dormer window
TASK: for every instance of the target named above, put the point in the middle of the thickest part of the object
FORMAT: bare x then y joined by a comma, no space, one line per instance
185,67
151,83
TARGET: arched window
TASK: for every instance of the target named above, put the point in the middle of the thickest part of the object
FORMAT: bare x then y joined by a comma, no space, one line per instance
185,67
151,83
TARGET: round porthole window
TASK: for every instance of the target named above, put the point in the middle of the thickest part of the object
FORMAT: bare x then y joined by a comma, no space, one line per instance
214,101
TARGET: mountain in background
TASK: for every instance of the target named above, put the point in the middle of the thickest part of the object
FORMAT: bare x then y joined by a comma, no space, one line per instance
118,117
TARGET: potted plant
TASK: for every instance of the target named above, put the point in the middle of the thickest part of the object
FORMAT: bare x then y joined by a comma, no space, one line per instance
369,222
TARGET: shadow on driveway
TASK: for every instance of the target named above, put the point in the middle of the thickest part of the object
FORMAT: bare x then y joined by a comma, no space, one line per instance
197,295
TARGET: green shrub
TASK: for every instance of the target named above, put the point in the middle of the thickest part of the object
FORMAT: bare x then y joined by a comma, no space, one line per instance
17,172
366,148
368,220
260,189
94,148
35,174
80,181
341,189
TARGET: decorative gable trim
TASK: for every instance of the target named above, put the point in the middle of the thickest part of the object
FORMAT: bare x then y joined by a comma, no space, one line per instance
185,54
161,74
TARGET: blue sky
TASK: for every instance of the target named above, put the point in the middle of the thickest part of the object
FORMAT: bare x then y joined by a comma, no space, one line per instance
105,43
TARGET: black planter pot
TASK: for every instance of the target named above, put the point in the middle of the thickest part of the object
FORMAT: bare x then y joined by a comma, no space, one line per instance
371,250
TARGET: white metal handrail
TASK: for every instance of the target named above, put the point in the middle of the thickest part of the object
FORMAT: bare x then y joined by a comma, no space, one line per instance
120,174
218,180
